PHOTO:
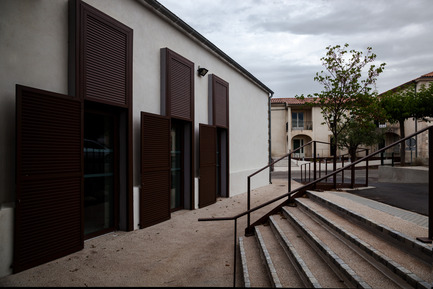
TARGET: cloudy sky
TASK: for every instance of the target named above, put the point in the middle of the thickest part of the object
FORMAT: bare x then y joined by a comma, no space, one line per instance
281,41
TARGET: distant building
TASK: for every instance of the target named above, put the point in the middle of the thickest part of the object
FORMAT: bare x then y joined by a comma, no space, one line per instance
294,124
418,146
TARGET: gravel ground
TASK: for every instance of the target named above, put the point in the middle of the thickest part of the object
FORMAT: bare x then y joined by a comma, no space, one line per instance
180,252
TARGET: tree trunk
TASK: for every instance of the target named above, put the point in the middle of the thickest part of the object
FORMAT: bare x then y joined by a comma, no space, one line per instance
335,147
402,144
352,153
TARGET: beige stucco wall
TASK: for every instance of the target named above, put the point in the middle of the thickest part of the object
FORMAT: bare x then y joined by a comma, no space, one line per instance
281,114
278,131
34,49
410,127
321,132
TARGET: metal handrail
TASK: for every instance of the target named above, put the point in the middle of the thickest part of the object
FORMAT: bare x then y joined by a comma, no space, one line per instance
341,158
289,187
268,166
305,187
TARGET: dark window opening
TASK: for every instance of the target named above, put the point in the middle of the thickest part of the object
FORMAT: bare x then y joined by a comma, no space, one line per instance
222,163
177,170
100,173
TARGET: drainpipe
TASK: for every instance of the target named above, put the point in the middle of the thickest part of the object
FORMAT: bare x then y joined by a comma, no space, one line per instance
269,134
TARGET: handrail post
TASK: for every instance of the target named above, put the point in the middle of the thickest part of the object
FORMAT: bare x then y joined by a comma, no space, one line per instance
309,172
430,184
249,201
392,159
326,168
315,165
366,167
290,173
234,253
301,174
342,172
300,170
334,169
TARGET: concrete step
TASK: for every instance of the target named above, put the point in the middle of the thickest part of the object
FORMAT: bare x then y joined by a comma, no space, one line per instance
333,250
254,271
311,246
416,272
280,268
394,235
304,257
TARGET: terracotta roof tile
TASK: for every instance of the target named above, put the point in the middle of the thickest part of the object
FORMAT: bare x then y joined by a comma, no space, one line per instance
428,74
291,100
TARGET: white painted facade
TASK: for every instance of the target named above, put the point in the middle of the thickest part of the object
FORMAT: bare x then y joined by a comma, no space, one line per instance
34,49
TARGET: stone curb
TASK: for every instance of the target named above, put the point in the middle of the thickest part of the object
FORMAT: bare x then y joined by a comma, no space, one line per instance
275,281
245,274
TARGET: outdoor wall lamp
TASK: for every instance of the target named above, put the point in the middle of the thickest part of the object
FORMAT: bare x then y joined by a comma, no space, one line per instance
202,71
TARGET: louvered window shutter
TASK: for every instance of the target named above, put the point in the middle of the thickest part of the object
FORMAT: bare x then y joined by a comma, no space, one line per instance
48,215
207,160
155,169
106,46
220,99
178,81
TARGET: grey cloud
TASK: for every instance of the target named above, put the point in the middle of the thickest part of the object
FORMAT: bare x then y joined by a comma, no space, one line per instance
346,18
270,38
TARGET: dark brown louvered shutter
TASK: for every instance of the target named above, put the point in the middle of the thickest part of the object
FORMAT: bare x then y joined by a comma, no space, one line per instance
106,58
220,98
48,219
155,169
179,85
207,156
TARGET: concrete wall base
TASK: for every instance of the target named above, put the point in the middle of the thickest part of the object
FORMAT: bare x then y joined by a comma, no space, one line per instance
411,175
6,240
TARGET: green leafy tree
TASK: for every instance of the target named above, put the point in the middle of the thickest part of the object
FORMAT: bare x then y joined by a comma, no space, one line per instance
404,103
346,94
359,132
424,101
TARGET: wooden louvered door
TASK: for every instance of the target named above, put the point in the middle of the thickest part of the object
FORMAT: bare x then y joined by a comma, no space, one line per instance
155,169
208,165
48,214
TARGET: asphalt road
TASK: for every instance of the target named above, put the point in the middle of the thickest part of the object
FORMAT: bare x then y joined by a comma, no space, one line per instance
411,197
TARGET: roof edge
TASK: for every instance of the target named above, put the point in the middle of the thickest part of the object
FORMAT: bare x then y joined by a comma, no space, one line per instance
293,101
160,9
427,76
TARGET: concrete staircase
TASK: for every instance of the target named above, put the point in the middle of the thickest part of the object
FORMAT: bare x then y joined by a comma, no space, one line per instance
319,242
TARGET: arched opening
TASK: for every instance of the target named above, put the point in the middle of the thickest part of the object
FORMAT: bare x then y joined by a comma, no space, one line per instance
297,142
